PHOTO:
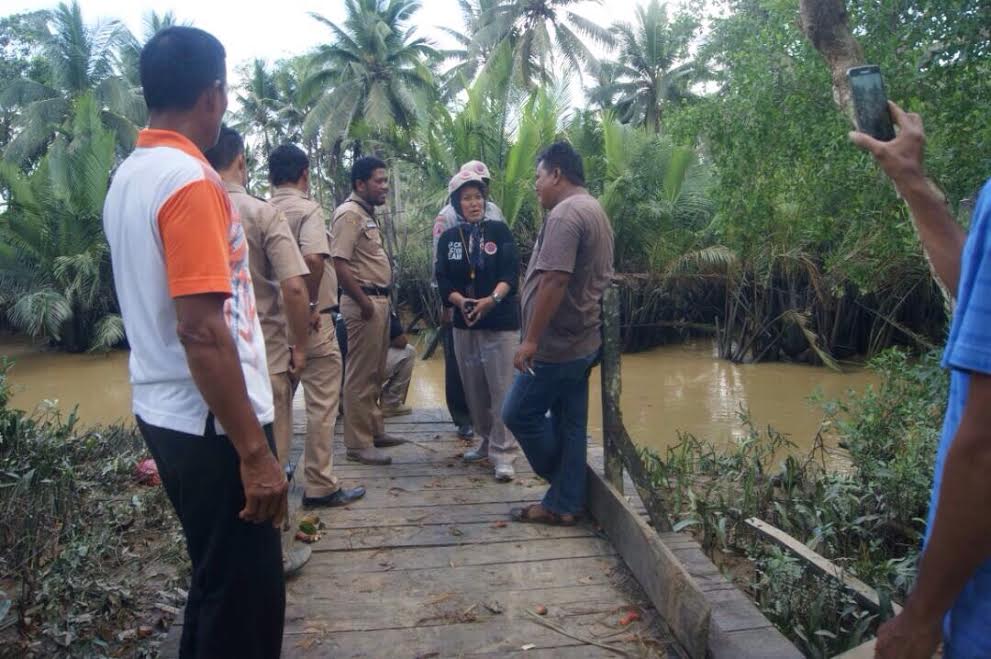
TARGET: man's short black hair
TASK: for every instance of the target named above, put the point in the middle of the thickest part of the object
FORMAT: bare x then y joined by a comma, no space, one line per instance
178,64
364,168
561,155
286,164
229,146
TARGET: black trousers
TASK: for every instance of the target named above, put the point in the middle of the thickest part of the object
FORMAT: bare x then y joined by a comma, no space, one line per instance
237,598
454,391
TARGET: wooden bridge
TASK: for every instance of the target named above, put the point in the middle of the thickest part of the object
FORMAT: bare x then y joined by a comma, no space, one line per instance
428,564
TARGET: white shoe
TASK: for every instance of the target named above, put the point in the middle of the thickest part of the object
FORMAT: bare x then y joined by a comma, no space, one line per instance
294,559
505,473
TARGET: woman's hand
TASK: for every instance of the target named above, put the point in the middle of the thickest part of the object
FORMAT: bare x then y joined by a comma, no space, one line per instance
464,304
481,310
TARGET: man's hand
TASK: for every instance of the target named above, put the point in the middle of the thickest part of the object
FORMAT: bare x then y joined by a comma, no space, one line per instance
265,488
481,310
446,315
523,360
901,158
316,322
903,637
367,308
297,363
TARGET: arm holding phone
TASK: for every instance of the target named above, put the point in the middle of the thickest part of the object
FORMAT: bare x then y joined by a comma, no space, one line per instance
902,160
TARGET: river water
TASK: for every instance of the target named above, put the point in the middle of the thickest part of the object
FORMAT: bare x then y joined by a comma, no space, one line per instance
666,390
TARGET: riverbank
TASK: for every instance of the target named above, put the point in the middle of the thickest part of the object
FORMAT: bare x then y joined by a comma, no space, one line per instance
868,518
92,562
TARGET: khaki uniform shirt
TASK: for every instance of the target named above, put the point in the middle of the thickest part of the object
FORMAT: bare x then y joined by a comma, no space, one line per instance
356,238
308,224
273,257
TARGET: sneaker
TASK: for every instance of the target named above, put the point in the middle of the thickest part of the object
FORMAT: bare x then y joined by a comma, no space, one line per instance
475,455
505,473
466,432
398,410
294,559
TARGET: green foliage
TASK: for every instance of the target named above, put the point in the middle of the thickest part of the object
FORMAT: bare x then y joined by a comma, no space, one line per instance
866,514
653,69
78,583
54,258
372,71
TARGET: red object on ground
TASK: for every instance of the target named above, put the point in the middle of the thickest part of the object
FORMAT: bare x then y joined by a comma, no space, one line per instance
146,473
629,617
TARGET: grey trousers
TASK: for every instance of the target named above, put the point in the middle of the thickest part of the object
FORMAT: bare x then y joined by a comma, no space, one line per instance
485,361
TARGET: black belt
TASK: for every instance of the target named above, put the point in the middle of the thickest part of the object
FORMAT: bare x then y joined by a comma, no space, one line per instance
375,291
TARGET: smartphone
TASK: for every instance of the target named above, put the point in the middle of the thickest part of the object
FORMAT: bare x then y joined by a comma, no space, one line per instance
870,103
469,307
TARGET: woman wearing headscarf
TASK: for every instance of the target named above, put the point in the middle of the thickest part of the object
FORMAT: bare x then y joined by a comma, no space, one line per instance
477,272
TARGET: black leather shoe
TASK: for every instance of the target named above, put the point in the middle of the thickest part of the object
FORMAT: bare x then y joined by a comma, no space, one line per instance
341,497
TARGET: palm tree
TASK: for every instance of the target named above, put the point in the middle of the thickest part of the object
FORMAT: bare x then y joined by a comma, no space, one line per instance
258,99
371,73
535,30
470,57
55,276
652,70
81,58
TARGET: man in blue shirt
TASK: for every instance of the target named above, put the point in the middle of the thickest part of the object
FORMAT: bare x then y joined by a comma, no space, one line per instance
952,595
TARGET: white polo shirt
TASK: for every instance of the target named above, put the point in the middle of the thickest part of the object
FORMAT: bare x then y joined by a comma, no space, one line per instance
173,232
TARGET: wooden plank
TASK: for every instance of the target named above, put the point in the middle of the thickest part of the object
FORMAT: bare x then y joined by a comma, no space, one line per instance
760,643
864,594
397,495
426,583
370,612
441,535
668,585
612,383
354,518
496,553
496,638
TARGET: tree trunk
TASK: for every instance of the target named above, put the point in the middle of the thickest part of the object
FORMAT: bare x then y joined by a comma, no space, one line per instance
824,22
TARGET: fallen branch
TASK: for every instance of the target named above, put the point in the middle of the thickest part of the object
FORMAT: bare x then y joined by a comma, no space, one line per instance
560,630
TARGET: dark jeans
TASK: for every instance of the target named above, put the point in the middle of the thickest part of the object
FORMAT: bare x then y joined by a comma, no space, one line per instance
237,598
556,445
454,390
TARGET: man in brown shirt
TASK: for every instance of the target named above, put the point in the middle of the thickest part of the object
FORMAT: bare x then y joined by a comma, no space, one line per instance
571,265
277,274
289,173
365,273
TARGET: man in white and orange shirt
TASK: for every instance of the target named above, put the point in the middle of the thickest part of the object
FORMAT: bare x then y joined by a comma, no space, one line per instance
201,390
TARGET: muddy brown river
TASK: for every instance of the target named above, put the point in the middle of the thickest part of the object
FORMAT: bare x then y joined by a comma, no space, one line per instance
674,388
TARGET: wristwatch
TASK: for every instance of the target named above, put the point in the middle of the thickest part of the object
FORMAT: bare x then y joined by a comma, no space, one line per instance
496,297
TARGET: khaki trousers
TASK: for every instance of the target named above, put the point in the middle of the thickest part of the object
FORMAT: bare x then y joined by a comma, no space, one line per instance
368,343
399,364
485,361
321,380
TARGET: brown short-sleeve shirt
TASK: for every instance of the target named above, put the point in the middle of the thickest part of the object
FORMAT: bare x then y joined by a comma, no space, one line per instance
576,238
308,223
356,238
273,257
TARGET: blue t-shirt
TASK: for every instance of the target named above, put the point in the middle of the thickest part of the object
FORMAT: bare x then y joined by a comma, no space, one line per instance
967,627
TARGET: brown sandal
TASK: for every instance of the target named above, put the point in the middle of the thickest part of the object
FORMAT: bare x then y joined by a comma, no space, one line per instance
548,518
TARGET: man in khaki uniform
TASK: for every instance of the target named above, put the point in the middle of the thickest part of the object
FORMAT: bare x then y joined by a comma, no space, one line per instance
365,274
277,273
289,174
